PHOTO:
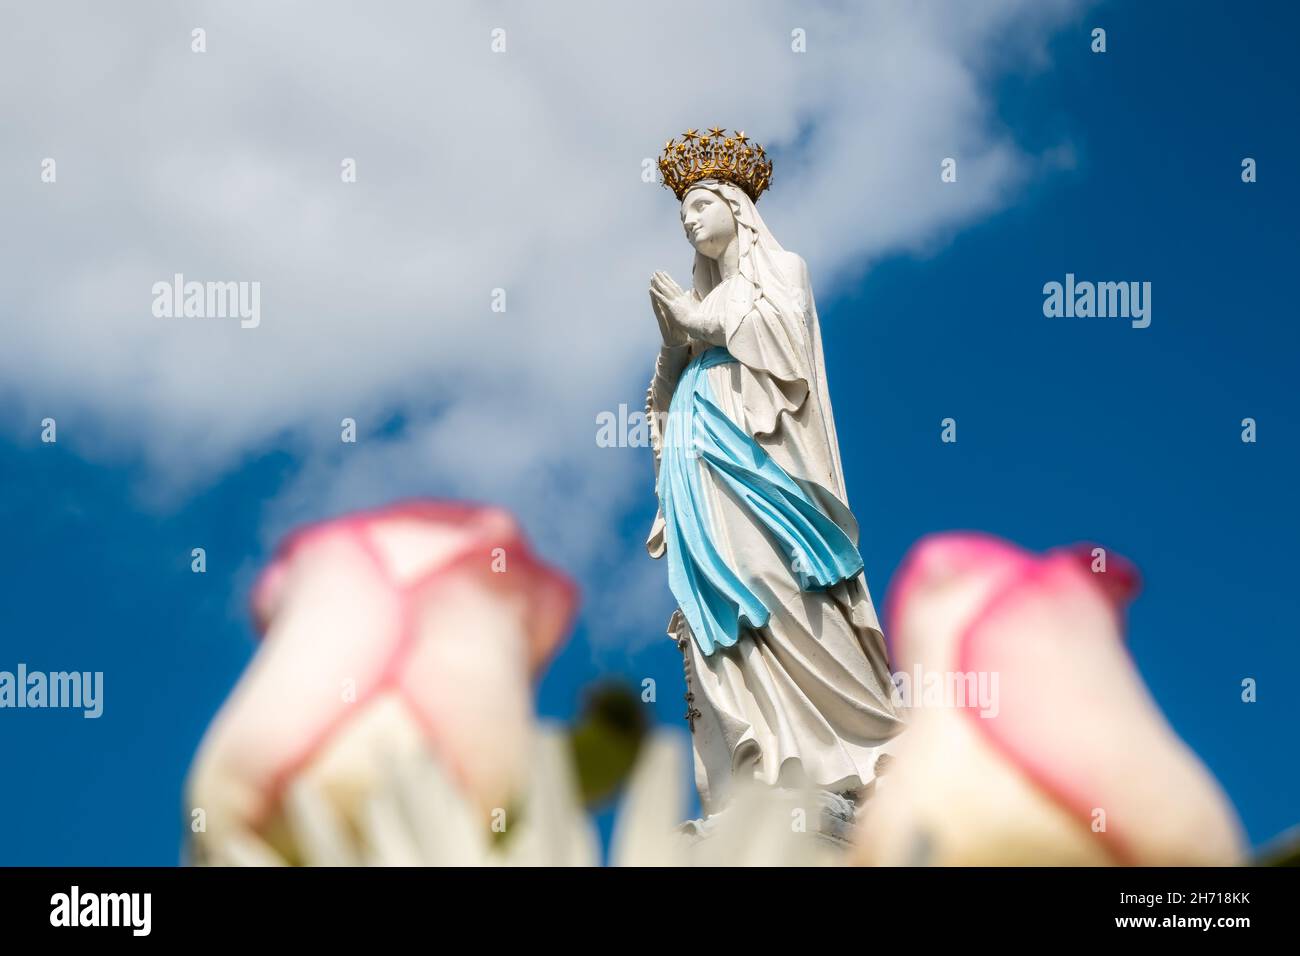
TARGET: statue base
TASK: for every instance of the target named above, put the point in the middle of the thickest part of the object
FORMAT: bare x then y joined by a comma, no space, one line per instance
832,824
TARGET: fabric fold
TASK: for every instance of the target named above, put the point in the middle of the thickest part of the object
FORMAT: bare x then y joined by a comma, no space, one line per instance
771,348
714,598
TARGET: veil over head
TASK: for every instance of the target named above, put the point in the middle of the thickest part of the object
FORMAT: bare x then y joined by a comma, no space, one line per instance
761,256
780,345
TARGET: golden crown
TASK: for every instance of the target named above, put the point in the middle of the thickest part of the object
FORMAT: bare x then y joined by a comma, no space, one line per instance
715,155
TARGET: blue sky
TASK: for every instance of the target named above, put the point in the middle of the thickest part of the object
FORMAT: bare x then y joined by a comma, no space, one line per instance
1068,430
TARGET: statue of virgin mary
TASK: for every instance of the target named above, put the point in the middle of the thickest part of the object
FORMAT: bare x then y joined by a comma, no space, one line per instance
787,671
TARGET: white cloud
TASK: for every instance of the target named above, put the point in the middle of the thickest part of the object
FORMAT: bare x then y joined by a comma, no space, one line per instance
476,170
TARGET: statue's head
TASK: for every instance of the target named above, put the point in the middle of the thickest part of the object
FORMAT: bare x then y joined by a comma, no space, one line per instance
708,221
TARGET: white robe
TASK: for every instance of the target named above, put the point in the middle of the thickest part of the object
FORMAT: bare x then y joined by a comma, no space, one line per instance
805,699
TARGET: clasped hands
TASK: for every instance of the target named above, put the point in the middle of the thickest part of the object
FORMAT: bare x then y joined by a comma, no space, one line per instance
679,314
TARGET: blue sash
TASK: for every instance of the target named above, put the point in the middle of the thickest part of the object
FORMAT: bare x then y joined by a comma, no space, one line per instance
713,597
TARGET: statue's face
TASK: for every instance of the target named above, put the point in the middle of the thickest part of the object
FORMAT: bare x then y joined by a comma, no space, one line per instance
708,222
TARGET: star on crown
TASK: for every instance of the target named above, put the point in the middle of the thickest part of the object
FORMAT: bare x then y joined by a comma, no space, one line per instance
715,155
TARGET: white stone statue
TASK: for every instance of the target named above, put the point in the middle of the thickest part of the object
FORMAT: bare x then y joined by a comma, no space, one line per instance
787,672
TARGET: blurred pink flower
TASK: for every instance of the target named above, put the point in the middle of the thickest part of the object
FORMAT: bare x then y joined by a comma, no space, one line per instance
1071,761
412,627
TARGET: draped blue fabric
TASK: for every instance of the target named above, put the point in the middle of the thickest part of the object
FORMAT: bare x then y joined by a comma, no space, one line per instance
715,600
